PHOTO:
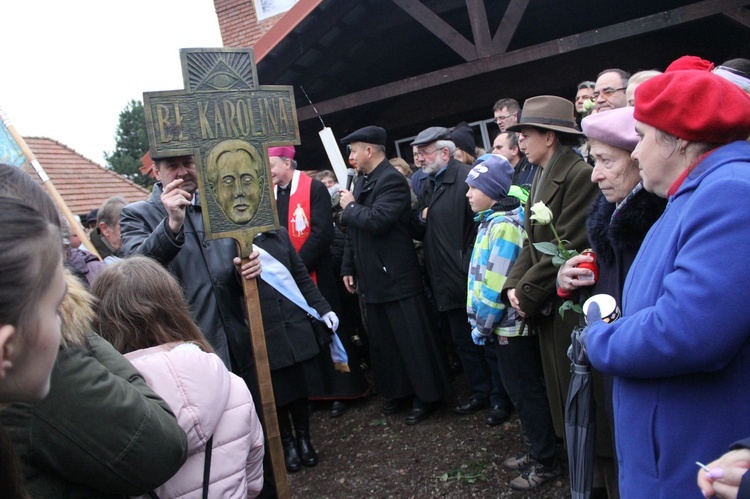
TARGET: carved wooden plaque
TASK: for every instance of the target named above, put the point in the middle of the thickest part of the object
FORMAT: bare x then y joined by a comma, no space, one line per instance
227,121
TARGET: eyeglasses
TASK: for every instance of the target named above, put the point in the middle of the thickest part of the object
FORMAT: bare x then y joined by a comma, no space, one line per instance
424,154
503,118
608,92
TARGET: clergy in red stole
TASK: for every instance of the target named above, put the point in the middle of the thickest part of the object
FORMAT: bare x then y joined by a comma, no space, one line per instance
304,208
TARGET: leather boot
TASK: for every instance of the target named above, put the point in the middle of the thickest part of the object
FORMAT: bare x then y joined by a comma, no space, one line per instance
301,419
291,452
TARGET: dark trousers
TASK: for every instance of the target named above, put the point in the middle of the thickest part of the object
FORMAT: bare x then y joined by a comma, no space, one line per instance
406,359
499,395
520,365
480,365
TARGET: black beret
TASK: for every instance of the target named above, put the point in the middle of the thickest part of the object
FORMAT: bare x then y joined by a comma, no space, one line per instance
368,134
463,136
430,135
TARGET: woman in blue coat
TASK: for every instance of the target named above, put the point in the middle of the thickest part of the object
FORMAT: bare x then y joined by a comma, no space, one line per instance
680,352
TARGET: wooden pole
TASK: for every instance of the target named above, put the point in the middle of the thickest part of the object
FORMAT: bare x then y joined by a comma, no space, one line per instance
75,225
263,372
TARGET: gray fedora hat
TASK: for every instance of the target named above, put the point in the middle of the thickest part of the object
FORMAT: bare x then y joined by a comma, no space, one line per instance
549,112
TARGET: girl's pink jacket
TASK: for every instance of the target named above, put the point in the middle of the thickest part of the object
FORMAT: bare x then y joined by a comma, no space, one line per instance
207,400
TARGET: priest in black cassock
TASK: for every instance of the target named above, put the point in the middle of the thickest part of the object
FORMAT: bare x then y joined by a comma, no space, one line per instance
380,263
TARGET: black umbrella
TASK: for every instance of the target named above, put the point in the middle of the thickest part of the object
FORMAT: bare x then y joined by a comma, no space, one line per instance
579,419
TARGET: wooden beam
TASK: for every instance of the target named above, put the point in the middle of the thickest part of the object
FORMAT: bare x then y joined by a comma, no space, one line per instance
439,28
322,25
740,16
283,27
626,29
508,25
480,28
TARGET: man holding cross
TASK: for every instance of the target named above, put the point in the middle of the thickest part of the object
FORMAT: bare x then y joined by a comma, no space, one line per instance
168,227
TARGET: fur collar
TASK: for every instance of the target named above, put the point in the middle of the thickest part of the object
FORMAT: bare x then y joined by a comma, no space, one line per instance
628,229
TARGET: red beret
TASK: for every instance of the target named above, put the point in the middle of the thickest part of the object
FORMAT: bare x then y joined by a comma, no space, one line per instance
694,105
690,62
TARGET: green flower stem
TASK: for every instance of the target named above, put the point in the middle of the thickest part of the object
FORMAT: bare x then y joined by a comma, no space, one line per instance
563,252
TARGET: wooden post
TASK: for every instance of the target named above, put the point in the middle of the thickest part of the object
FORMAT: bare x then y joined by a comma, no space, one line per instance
226,121
262,369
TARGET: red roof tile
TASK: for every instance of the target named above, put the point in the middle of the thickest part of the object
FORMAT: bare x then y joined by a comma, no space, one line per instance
82,183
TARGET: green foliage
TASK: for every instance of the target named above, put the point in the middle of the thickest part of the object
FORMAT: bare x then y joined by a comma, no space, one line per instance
131,145
547,248
466,473
570,305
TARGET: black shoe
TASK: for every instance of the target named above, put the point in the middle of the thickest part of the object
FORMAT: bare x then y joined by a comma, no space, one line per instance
291,454
292,460
301,420
392,406
419,412
470,407
308,454
338,408
497,415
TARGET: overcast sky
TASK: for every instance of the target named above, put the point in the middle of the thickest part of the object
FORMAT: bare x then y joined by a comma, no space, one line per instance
70,67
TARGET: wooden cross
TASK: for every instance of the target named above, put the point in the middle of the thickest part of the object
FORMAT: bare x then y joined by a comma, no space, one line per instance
226,121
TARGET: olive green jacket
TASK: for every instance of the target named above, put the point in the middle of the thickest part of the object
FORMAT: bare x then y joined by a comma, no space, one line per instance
101,432
567,190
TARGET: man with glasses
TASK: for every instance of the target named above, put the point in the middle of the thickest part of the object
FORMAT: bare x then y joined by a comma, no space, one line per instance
506,113
584,94
445,224
609,91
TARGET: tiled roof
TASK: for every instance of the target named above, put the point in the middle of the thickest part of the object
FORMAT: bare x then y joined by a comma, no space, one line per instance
82,183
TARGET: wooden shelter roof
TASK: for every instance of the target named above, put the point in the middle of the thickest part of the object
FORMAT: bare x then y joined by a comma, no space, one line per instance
409,64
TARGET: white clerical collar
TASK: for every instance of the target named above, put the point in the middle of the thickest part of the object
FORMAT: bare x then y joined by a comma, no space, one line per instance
294,182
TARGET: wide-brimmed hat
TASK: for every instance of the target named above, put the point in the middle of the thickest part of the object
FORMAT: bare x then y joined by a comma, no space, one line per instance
548,112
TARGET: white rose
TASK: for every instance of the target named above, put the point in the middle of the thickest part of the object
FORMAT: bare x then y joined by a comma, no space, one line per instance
541,213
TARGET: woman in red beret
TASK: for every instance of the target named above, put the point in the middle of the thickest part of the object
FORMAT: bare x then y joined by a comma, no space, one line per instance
680,352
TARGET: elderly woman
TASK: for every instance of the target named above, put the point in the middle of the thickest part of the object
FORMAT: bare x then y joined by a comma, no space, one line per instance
548,131
680,352
617,223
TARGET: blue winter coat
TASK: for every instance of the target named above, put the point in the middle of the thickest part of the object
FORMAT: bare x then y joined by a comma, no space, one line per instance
681,351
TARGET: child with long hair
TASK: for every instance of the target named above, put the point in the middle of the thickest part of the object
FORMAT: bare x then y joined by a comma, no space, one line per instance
142,312
32,287
100,431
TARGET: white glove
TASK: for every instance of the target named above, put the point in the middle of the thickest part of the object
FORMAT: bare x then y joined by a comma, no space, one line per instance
331,320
